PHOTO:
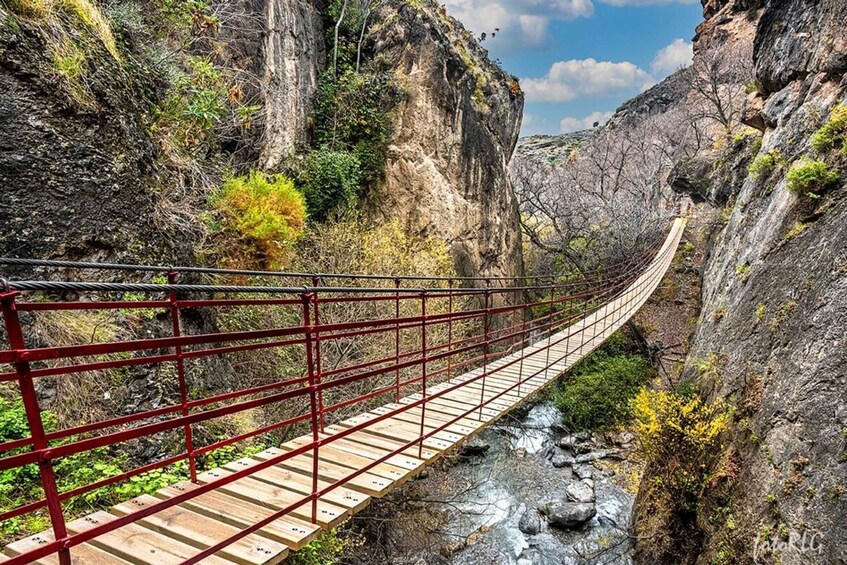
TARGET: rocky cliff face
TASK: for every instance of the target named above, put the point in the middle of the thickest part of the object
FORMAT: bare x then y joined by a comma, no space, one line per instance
72,172
84,180
447,170
773,302
294,57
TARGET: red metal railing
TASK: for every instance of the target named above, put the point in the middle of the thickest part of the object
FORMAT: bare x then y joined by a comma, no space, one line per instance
424,331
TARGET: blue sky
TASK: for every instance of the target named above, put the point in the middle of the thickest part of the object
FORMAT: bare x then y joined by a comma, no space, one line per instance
578,60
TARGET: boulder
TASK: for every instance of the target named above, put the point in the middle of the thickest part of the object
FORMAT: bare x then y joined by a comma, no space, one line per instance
580,491
561,460
530,523
583,471
568,514
567,442
475,448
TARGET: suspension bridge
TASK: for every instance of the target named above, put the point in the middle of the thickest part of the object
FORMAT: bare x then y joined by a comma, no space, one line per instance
462,353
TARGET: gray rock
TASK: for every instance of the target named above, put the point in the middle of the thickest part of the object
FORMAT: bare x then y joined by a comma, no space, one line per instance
560,460
603,454
583,471
568,514
475,448
580,491
530,523
567,442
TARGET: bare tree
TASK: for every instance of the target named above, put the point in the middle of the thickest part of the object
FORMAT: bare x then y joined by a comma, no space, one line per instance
337,32
366,8
608,199
720,78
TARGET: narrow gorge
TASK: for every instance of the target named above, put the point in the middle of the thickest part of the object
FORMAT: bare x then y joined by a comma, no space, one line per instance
344,148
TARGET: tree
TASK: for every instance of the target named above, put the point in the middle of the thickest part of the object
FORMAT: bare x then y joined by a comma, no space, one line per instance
366,8
719,81
609,199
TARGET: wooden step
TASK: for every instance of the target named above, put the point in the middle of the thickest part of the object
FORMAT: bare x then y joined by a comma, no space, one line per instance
293,532
138,544
276,498
83,554
203,532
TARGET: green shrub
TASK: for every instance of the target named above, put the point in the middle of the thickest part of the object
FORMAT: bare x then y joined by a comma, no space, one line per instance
330,181
267,212
197,101
325,550
765,164
834,133
36,9
598,392
353,113
807,176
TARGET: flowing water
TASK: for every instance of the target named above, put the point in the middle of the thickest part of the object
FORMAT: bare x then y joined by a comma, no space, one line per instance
487,495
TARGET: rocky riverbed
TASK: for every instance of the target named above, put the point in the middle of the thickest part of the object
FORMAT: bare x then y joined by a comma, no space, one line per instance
524,492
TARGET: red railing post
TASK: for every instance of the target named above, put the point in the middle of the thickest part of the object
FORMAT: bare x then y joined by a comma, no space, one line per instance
423,372
524,340
487,329
183,385
552,326
449,328
313,397
317,344
397,340
33,417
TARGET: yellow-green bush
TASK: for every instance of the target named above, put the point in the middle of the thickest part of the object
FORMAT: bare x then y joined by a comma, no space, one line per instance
86,11
680,435
267,212
809,176
834,133
764,164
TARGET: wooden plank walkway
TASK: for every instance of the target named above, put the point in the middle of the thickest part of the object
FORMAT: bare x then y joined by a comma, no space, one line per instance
175,534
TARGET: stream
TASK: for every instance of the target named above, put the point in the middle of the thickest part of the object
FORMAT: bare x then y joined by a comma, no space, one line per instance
525,493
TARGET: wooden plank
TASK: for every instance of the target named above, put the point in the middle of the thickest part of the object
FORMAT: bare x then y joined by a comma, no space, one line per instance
293,532
277,476
276,498
391,428
351,460
138,544
457,408
203,532
472,424
376,453
332,473
432,420
83,554
390,445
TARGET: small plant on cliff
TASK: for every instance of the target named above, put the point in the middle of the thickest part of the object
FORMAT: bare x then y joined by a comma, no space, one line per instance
763,165
267,212
834,134
680,437
70,65
196,103
809,177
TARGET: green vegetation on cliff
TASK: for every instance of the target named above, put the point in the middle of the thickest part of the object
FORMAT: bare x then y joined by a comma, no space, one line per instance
597,393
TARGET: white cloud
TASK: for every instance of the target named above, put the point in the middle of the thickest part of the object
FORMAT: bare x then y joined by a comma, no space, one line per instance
671,57
521,22
569,125
582,78
646,2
